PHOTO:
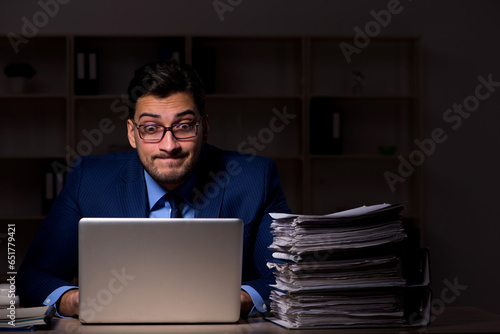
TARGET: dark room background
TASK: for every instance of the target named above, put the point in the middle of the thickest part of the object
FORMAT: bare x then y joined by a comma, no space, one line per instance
459,45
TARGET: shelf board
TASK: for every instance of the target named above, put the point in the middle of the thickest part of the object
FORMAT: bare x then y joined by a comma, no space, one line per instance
32,157
366,97
33,96
21,218
410,38
281,157
208,96
409,217
352,156
252,97
284,157
99,97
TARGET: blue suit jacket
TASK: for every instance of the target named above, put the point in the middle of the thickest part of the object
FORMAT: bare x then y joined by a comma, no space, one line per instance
228,184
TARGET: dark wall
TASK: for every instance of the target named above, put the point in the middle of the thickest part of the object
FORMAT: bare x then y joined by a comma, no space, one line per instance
460,44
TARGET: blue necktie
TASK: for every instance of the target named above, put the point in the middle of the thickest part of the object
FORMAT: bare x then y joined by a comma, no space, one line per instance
174,200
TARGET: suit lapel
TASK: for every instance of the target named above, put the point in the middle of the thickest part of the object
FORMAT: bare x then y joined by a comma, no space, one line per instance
132,191
210,190
208,204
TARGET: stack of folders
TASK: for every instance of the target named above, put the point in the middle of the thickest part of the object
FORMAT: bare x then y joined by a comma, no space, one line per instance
348,269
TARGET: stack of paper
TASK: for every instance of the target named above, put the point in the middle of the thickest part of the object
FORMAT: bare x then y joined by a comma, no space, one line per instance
23,318
347,269
14,317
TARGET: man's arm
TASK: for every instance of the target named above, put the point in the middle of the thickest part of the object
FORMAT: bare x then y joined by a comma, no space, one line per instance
68,305
274,201
246,303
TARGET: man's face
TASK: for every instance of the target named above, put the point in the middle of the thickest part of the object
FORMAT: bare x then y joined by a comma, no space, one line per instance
171,161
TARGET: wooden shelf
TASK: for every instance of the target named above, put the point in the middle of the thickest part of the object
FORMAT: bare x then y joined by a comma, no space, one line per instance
367,97
98,97
352,156
33,96
254,97
34,157
15,219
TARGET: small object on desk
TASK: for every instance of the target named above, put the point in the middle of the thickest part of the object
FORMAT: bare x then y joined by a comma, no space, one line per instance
23,318
5,298
49,314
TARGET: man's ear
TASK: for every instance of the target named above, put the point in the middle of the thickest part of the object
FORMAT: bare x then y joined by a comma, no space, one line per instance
206,128
131,133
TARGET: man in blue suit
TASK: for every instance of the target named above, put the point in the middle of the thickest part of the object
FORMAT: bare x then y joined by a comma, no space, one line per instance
168,128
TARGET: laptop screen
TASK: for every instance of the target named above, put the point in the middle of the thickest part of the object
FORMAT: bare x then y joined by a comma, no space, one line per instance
145,270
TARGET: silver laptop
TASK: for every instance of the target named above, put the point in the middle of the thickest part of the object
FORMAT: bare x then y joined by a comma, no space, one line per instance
145,270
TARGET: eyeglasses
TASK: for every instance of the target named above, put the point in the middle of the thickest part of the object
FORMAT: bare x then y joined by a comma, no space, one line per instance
154,133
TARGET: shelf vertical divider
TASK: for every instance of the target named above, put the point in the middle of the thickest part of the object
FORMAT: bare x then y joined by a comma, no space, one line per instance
306,93
188,49
417,52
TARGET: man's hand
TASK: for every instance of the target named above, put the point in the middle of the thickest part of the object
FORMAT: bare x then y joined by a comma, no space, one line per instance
246,303
68,306
69,303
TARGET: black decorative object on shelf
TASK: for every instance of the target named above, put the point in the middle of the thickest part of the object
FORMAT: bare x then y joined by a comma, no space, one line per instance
17,73
325,127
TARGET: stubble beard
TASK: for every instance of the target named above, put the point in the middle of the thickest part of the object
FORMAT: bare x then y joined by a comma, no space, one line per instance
174,175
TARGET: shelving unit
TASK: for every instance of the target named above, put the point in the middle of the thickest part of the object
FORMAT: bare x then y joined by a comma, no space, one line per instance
384,111
34,133
250,82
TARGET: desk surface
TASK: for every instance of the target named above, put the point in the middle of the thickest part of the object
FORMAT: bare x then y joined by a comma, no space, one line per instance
451,320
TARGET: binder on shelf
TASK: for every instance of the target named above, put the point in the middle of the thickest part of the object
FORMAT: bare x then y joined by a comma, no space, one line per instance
167,54
325,127
52,184
353,268
87,72
204,62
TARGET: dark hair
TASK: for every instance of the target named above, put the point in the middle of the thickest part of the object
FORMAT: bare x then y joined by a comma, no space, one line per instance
162,79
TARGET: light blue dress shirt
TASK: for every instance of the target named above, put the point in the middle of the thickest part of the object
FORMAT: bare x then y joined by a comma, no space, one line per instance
155,192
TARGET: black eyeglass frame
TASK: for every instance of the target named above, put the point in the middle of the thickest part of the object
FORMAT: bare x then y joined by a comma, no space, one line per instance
165,129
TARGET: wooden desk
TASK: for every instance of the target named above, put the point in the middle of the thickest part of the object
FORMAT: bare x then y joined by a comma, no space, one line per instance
452,320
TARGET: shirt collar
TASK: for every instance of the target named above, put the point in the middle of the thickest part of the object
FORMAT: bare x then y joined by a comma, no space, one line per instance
156,191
